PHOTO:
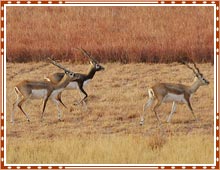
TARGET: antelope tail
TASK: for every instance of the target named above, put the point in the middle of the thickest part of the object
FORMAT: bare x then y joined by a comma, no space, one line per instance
46,79
151,93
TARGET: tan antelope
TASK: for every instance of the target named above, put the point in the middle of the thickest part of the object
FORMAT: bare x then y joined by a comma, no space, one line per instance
176,93
83,78
28,89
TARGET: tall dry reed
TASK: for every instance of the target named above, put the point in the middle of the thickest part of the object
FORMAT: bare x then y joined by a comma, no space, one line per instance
113,33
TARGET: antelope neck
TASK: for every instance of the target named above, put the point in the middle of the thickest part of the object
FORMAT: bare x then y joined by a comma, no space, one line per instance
91,73
62,83
194,87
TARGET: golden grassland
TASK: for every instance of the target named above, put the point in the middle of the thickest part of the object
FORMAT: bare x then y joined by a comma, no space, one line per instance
113,33
108,132
113,149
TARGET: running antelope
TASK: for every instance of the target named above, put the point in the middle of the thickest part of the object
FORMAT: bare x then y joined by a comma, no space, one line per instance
83,78
27,90
176,93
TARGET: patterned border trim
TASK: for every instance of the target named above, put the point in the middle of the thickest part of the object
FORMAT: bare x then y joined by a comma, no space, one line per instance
3,3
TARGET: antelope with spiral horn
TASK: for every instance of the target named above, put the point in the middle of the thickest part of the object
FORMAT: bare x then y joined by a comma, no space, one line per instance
83,78
31,89
176,93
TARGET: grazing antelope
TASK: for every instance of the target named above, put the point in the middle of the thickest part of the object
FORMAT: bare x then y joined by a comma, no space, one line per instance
83,78
27,90
176,93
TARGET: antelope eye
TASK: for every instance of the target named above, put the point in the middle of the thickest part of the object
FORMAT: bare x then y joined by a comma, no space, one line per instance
204,79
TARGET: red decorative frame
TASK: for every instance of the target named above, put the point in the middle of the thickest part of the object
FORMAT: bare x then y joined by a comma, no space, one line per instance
3,166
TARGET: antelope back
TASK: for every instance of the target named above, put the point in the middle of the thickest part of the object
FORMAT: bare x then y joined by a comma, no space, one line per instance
55,78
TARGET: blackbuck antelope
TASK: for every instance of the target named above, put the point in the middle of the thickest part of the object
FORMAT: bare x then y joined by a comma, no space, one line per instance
27,90
83,78
176,93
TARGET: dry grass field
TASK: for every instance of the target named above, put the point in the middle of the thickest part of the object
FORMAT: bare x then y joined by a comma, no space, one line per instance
109,131
128,40
114,33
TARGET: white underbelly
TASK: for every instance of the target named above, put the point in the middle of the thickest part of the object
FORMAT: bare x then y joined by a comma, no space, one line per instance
56,92
42,93
38,94
74,84
174,97
86,82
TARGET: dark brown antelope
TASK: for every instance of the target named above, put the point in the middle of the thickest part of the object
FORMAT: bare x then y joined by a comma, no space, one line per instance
176,93
28,89
83,78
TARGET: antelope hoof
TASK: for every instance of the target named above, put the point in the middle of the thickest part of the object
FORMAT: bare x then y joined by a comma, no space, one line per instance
59,118
159,123
141,123
196,120
76,103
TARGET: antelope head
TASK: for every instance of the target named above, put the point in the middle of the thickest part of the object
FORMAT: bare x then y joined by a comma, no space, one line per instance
198,75
93,61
